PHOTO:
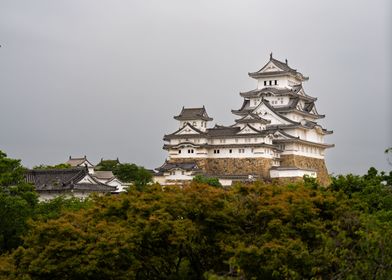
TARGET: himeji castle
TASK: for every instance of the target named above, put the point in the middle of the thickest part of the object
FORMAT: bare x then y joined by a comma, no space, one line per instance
275,135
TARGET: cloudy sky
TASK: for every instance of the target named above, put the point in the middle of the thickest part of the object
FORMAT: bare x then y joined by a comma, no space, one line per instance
105,78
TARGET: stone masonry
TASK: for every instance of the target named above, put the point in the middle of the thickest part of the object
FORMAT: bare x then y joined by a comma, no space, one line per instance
308,163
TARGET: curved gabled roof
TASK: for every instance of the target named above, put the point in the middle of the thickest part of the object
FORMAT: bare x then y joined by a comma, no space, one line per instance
168,136
252,118
283,67
187,166
294,92
78,161
64,179
189,114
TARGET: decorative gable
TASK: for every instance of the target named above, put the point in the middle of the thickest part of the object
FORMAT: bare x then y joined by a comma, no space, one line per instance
187,129
270,67
267,113
248,130
87,180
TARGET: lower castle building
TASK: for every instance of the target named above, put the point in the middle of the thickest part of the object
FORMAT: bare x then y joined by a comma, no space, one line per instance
275,135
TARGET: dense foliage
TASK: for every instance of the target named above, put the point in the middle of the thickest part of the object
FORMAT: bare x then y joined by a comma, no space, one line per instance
255,231
127,172
207,180
57,166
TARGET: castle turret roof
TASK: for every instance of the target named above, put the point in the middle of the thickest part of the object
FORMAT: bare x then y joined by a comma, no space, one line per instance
188,114
59,180
283,68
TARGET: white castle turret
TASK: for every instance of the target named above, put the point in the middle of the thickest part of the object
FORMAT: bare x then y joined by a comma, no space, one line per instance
276,135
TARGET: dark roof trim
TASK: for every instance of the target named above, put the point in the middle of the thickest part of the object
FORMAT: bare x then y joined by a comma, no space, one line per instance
188,114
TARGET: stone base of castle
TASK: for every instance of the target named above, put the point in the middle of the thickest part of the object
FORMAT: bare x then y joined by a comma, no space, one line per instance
232,167
259,167
308,163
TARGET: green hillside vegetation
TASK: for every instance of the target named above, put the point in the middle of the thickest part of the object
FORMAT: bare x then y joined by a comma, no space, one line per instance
126,172
200,231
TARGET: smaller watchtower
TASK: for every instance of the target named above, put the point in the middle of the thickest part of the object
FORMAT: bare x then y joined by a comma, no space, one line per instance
197,117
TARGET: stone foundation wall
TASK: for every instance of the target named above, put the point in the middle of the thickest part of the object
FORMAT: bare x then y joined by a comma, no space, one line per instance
239,166
232,166
258,166
308,163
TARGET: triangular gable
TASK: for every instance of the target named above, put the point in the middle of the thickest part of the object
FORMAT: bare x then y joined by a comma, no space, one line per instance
187,129
270,67
248,129
265,111
114,180
79,162
279,134
88,179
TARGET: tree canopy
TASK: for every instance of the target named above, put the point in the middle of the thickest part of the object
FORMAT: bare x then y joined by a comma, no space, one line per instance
200,231
260,231
127,172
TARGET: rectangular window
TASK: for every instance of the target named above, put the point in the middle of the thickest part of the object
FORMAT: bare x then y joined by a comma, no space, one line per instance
179,151
276,82
265,83
230,151
270,83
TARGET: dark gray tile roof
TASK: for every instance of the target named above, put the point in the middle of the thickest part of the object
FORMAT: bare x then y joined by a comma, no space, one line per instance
103,175
199,132
254,118
283,66
188,166
277,91
223,131
292,106
188,114
64,180
78,161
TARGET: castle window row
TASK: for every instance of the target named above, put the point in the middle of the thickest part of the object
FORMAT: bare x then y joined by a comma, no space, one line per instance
280,100
271,82
264,151
223,141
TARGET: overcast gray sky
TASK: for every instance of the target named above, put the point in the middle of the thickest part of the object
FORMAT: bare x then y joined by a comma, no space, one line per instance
105,78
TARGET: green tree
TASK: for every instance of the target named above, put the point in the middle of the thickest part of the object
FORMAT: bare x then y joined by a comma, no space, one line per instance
250,231
126,172
214,182
107,165
11,171
57,166
132,173
17,202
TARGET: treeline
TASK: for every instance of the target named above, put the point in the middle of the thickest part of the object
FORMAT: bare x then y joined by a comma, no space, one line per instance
249,231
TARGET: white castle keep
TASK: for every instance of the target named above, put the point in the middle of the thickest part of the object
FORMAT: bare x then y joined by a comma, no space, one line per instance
275,135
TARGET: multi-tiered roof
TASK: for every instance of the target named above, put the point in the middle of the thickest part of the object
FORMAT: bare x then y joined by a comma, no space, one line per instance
276,113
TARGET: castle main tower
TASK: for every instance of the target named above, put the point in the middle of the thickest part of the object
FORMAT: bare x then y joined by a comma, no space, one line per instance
276,135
